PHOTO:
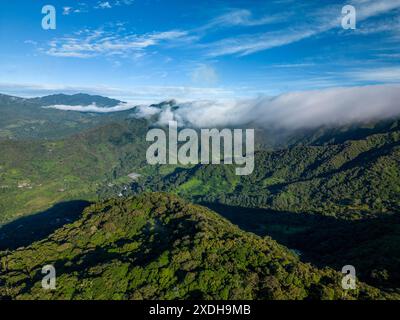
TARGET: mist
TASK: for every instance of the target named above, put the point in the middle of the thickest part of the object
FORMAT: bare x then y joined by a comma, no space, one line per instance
93,108
296,110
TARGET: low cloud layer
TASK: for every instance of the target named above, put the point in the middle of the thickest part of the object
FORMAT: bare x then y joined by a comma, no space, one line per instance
295,110
92,108
310,109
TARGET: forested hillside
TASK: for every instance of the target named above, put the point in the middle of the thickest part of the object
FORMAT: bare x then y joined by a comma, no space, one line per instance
159,246
37,174
23,118
351,179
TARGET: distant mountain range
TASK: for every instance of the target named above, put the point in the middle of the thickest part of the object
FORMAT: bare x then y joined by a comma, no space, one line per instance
23,118
76,99
63,99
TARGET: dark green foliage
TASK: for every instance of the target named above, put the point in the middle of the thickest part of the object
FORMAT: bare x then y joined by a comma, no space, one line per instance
158,246
37,174
353,179
370,245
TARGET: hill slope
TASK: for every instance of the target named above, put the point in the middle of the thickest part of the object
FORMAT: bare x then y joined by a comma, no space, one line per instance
159,246
23,118
36,174
350,179
75,99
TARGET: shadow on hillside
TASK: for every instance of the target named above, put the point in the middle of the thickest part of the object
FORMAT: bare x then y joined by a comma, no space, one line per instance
371,245
26,230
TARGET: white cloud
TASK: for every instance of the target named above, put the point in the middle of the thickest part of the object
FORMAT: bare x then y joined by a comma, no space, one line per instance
80,7
92,108
124,2
103,5
294,110
145,111
323,20
316,21
370,8
241,17
391,74
248,44
67,10
89,43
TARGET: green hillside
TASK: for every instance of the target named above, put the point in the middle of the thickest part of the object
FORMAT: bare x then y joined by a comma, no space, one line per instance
352,179
159,246
75,100
37,174
27,119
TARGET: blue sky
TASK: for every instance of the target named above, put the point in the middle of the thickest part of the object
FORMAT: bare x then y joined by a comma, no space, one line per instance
149,50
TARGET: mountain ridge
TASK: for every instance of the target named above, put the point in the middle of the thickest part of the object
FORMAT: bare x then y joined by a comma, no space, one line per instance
159,246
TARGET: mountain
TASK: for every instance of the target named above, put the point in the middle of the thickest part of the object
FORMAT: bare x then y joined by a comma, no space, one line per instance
157,246
165,104
337,203
75,99
23,118
36,174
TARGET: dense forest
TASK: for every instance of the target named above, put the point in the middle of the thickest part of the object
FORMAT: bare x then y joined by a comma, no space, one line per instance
354,179
159,246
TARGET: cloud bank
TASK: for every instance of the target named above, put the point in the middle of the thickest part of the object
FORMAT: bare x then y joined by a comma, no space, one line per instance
92,108
296,110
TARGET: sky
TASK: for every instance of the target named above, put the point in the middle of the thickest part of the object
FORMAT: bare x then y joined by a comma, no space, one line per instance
150,50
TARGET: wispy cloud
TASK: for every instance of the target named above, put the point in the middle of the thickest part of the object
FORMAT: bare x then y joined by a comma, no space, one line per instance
319,22
381,74
89,43
82,7
103,5
247,44
371,8
294,65
67,10
241,17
